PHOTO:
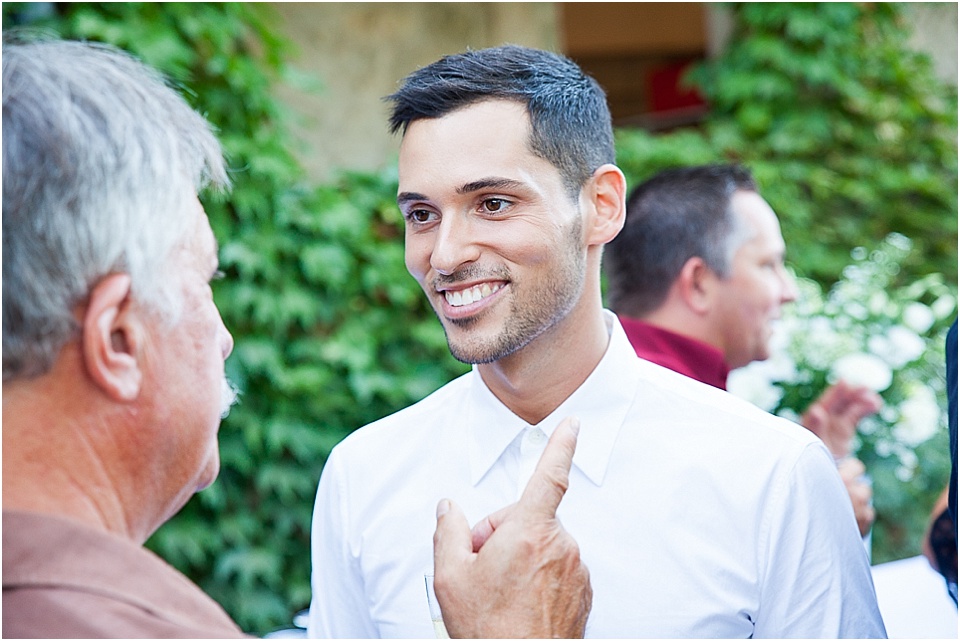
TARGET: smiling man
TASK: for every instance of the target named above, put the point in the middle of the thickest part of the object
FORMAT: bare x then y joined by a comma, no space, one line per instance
697,514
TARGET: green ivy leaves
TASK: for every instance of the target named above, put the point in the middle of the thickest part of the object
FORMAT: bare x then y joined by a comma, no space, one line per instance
848,131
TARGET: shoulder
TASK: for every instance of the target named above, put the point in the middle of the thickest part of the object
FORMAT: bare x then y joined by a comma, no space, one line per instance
701,398
407,429
64,579
58,612
713,415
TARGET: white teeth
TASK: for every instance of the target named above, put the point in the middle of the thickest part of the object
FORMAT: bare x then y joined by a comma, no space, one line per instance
471,295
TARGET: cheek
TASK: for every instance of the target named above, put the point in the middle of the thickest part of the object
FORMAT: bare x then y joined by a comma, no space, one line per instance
416,254
534,246
774,292
760,294
750,309
416,265
205,332
210,337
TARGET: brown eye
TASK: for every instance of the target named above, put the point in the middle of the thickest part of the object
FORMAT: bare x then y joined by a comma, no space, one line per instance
419,216
493,205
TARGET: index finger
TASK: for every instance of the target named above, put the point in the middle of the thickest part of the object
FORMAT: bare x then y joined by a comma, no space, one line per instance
552,476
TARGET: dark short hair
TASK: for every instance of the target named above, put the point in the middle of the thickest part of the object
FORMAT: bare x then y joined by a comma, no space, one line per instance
569,116
672,217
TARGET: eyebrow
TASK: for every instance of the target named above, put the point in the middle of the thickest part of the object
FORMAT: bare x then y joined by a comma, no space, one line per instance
489,183
407,196
468,188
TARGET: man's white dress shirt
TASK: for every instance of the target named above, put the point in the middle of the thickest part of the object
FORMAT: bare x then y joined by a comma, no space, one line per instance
697,514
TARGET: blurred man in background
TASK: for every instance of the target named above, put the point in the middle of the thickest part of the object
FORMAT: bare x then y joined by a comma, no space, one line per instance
697,278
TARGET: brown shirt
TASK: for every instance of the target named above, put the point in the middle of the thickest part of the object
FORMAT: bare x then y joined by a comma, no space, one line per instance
64,579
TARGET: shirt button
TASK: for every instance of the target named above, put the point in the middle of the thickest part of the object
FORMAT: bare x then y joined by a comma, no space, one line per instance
536,436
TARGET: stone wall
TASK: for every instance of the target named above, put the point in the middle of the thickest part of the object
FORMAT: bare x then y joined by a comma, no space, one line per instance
359,52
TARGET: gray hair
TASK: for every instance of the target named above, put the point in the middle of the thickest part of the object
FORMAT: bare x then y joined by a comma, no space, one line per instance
672,217
101,162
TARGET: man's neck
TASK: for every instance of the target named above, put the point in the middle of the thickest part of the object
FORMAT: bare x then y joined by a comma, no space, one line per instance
52,461
533,381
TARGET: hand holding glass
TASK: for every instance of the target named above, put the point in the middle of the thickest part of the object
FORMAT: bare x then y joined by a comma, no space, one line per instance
435,615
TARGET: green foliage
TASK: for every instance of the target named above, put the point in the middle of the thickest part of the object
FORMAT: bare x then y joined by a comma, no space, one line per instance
331,332
848,132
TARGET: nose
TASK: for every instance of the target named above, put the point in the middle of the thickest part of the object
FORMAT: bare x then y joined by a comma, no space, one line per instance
454,245
788,287
226,340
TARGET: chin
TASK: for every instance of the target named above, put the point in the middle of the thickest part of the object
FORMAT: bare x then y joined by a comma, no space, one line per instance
210,471
206,482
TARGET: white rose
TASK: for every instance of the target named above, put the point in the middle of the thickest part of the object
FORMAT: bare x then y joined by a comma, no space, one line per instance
944,306
908,347
781,332
753,383
789,414
899,347
919,417
908,464
862,369
780,366
918,317
856,310
878,301
823,343
899,241
904,474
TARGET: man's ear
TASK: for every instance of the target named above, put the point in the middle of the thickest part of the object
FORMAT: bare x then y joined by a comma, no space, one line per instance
697,285
607,194
112,339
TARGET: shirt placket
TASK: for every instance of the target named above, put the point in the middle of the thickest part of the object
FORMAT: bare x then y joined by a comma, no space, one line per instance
532,444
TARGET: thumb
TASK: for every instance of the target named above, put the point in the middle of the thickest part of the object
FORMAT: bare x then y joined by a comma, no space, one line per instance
485,528
851,469
452,538
550,479
814,418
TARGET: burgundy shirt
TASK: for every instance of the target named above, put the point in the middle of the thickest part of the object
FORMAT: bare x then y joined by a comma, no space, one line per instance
682,354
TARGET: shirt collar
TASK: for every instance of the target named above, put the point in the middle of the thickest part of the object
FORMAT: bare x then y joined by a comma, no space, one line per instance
601,403
688,356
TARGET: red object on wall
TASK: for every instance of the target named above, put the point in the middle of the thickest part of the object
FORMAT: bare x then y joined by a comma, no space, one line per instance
665,91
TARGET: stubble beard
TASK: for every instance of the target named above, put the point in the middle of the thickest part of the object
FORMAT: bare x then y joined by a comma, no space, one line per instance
529,317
